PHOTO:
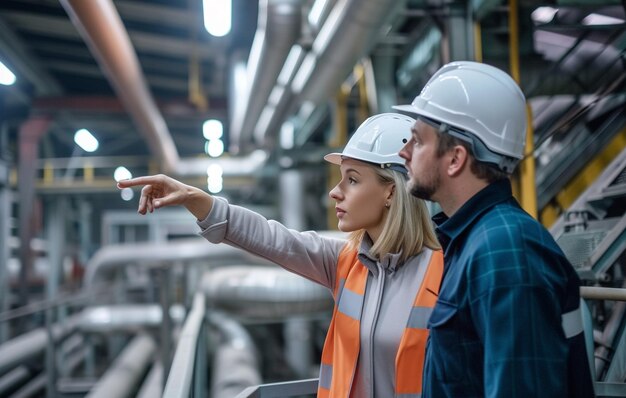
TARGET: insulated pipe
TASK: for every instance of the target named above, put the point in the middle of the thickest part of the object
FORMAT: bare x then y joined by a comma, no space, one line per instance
278,28
264,292
113,256
350,30
121,379
126,317
235,363
100,25
33,343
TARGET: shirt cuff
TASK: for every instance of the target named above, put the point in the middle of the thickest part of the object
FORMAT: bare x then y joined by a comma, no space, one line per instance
214,226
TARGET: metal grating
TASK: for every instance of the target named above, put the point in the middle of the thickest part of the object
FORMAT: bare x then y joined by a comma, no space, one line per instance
579,246
620,179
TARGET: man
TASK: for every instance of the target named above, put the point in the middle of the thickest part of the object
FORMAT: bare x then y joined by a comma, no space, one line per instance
507,321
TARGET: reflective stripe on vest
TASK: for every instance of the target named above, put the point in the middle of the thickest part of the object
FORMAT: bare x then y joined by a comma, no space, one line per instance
572,323
342,345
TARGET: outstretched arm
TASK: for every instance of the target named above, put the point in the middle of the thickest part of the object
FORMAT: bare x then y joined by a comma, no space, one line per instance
161,191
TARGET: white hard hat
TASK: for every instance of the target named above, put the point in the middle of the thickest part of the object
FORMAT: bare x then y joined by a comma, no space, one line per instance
479,99
378,140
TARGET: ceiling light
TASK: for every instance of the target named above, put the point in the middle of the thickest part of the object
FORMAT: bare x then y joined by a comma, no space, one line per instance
214,148
127,194
84,139
122,173
212,129
544,14
217,16
6,76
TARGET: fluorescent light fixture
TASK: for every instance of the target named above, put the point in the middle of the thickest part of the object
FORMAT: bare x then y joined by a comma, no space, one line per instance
217,16
122,173
544,14
127,194
306,109
6,76
287,133
291,63
214,170
599,19
264,122
315,15
84,139
304,73
276,95
212,129
214,148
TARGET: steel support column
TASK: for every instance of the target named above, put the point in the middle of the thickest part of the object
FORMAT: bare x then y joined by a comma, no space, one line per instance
30,133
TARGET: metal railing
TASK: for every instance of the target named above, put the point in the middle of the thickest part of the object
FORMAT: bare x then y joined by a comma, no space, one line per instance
188,370
286,389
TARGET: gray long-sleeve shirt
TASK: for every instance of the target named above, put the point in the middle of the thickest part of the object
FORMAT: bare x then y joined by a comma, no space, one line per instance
389,295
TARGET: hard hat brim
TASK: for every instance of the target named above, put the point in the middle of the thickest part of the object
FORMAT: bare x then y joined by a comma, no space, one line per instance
334,158
406,109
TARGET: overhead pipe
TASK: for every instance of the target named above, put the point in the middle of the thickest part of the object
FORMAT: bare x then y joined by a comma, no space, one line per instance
100,25
348,33
278,28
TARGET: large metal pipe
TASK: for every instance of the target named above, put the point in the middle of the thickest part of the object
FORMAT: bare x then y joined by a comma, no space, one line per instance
113,256
348,33
101,27
121,379
235,363
126,317
31,344
264,292
278,28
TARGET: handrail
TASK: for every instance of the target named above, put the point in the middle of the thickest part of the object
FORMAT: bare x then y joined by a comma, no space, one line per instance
181,374
602,293
285,389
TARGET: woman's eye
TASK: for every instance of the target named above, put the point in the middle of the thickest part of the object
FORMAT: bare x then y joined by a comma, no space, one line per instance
351,180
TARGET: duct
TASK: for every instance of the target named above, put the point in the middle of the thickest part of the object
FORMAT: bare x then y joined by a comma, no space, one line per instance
121,379
277,30
33,343
349,31
235,362
101,27
127,317
111,257
264,292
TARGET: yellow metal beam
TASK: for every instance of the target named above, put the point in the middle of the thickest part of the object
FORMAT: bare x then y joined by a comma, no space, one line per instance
525,187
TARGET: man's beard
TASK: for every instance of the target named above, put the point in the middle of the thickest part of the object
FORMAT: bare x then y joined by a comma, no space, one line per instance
424,191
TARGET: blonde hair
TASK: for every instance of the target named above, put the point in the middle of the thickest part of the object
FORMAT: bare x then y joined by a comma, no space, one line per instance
408,227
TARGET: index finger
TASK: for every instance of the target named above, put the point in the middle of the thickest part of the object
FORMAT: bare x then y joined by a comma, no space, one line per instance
133,182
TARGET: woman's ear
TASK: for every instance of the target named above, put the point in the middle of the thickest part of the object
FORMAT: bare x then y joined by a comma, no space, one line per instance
391,191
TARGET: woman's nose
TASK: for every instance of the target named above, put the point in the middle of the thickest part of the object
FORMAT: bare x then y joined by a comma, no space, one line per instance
335,193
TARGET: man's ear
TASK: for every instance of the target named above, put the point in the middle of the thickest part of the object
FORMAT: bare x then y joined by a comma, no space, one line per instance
458,160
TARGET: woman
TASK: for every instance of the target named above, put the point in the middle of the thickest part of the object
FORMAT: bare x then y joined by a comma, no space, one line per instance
384,278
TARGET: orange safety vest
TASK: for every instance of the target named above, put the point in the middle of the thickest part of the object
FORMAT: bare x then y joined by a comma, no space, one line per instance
341,348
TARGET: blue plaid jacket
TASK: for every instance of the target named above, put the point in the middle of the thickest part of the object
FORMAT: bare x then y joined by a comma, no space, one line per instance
496,329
